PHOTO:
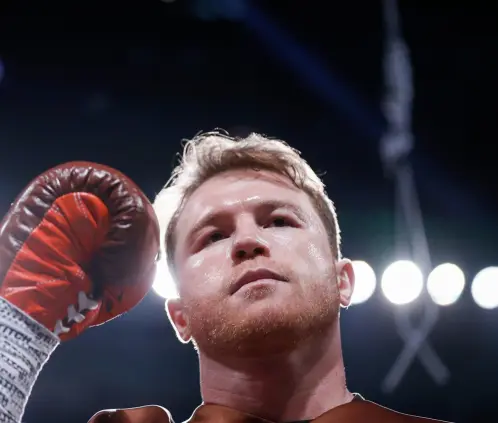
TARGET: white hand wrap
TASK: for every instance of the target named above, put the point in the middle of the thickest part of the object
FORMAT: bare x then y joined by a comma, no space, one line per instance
25,346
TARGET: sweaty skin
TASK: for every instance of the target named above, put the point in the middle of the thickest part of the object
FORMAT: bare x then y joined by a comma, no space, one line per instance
272,348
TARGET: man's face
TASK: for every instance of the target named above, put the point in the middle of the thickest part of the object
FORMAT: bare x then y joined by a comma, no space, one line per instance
246,221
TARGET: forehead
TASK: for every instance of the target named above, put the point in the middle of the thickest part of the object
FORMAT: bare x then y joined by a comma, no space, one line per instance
239,189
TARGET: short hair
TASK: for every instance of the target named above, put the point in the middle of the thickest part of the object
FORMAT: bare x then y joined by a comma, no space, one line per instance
211,153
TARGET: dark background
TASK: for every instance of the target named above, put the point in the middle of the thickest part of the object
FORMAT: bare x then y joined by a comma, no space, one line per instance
123,82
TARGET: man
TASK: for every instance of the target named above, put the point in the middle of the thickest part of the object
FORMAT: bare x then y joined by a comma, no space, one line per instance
254,245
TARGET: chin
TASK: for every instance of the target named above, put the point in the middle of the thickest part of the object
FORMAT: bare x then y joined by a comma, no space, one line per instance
274,328
262,322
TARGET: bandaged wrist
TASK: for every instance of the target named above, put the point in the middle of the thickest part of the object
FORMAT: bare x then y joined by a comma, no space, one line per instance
25,346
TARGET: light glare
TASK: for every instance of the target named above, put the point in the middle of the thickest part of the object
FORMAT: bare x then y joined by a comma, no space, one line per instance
164,285
484,288
445,284
365,282
402,282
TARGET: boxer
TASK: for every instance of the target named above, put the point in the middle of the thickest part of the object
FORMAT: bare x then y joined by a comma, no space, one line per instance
253,242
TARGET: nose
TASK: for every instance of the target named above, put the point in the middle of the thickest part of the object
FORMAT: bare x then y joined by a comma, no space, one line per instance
249,247
249,244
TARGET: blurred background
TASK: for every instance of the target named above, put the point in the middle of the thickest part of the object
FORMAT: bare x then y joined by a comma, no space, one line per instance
394,103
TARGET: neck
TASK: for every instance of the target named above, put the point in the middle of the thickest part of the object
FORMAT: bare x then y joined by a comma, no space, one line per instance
299,385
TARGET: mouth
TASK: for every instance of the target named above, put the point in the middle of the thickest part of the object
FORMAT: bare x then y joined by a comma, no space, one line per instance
256,275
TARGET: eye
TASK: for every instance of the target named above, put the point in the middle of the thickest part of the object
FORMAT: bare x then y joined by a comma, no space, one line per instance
213,237
281,222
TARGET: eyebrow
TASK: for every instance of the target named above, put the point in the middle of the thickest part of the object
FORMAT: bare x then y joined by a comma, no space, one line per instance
267,205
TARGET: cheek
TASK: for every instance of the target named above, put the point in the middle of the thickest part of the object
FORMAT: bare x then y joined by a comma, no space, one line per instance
292,245
319,255
283,239
202,274
308,251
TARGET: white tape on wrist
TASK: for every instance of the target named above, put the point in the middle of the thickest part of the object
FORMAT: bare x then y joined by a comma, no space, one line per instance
25,346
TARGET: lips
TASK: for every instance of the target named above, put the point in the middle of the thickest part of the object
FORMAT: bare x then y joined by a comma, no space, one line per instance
255,275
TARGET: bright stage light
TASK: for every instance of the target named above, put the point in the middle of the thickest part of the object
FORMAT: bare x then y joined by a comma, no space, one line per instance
484,288
402,282
445,284
365,281
164,285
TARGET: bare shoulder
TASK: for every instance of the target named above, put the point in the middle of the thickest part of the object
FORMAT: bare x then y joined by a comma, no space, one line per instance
377,413
145,414
367,411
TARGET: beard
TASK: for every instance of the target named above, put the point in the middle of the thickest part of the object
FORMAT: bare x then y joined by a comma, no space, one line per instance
220,327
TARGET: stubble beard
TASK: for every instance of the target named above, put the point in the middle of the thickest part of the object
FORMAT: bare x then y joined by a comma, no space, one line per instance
218,329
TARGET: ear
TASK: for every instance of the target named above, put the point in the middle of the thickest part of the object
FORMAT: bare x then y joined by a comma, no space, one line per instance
346,279
178,319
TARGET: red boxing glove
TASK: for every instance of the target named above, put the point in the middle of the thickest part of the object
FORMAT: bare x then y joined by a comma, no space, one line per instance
78,247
